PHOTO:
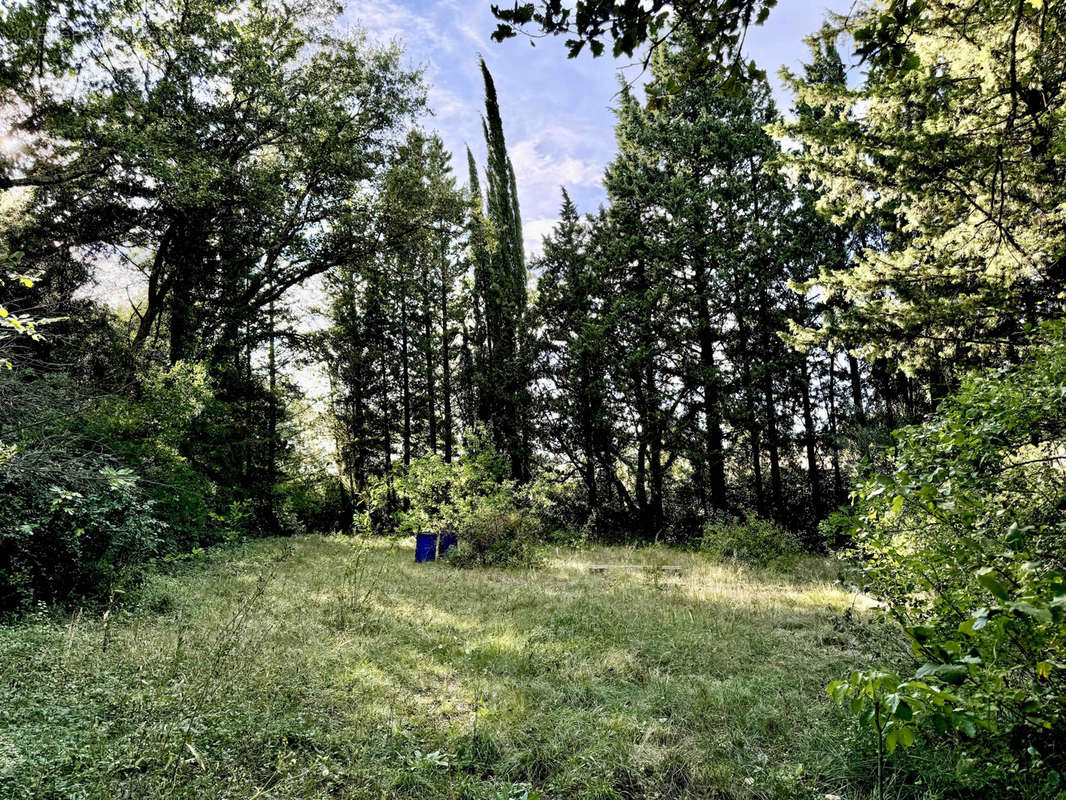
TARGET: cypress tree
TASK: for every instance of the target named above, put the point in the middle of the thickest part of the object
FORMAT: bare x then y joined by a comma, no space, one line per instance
500,283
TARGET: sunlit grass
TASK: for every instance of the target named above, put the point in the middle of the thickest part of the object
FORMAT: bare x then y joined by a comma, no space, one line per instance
253,676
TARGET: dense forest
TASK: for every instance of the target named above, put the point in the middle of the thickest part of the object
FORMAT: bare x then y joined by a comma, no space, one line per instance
831,329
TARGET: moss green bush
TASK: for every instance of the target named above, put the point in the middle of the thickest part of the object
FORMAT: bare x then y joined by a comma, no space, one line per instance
498,522
751,540
498,536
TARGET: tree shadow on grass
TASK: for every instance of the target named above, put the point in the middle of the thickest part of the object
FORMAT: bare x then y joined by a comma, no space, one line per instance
628,684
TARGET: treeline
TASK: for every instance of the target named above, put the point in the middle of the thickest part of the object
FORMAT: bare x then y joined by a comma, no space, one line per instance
428,337
646,360
215,156
938,173
759,303
666,375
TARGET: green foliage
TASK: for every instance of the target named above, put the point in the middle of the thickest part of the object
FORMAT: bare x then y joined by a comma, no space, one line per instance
498,522
391,350
255,129
951,146
500,285
663,378
432,494
11,324
74,521
227,153
630,26
498,536
95,487
751,540
894,709
436,496
152,434
59,545
963,541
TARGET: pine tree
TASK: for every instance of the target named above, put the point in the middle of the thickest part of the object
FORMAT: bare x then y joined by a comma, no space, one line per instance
571,370
644,333
395,318
702,219
951,142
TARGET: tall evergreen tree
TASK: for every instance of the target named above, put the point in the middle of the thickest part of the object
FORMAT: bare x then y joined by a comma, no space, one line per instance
396,315
953,141
500,283
571,371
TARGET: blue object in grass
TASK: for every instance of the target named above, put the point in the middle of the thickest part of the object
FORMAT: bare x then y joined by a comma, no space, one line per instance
425,547
447,542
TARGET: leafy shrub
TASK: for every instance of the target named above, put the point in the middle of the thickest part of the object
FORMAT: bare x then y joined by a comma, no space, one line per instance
57,544
498,522
751,540
317,502
964,543
434,496
563,512
94,486
498,537
150,433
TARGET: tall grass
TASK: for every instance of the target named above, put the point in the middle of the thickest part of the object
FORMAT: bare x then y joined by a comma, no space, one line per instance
339,668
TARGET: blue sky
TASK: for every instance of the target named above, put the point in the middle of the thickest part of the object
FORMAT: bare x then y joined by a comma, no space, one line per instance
556,111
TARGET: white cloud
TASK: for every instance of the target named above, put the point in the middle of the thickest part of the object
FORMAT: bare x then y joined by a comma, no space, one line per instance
533,233
540,167
388,20
446,104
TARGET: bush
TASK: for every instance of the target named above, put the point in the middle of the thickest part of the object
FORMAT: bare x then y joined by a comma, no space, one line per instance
434,496
150,433
497,522
498,537
963,541
93,487
60,545
317,501
751,540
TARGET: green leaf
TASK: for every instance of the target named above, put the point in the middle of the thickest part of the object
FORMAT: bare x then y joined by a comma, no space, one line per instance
906,735
1028,609
890,741
987,578
921,633
897,505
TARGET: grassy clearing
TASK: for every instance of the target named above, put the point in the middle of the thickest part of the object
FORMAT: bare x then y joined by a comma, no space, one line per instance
261,674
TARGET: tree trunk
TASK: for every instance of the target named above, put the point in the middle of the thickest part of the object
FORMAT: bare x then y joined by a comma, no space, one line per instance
655,446
810,441
431,378
405,375
883,382
157,290
588,442
856,390
180,315
446,365
641,485
772,446
713,455
756,470
831,413
272,422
